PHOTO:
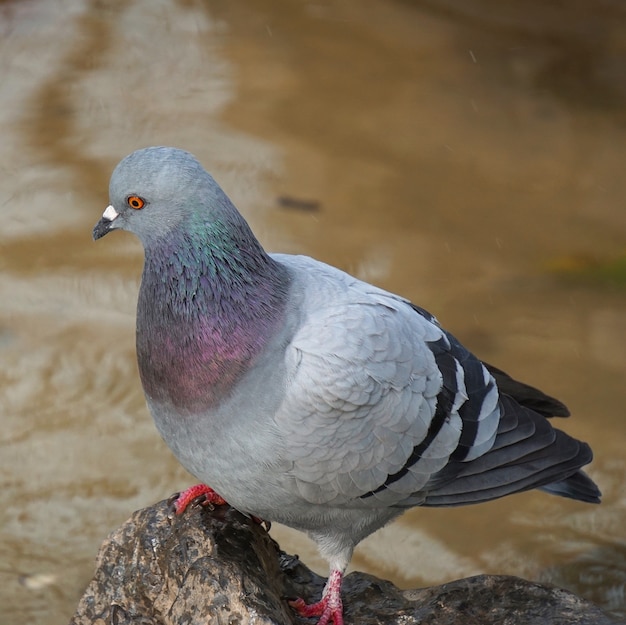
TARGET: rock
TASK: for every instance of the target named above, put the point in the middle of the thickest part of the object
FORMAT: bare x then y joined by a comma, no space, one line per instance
217,566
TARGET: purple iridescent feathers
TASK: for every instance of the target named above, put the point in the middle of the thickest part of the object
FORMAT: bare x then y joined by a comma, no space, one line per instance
210,298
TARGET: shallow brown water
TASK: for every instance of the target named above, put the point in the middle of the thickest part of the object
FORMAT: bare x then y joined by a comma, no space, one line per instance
457,153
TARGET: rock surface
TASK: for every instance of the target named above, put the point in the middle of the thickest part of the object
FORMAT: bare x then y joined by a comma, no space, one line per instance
217,566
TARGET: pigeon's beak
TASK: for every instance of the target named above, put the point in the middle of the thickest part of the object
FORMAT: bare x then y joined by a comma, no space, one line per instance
106,223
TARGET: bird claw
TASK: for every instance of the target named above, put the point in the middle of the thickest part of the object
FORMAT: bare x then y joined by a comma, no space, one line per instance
329,607
198,495
171,499
324,609
266,525
203,495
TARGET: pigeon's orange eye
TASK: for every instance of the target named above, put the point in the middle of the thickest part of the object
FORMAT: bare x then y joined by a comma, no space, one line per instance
134,201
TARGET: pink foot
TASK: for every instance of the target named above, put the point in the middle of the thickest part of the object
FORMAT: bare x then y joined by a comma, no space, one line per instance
330,607
193,493
204,495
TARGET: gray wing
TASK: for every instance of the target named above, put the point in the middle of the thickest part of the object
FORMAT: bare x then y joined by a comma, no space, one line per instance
374,399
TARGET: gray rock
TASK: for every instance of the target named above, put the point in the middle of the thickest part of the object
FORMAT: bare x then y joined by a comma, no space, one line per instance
217,566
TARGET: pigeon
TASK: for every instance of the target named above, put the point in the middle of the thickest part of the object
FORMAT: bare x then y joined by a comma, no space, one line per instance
302,395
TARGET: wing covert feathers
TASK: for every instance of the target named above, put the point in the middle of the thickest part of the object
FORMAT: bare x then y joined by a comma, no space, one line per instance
385,408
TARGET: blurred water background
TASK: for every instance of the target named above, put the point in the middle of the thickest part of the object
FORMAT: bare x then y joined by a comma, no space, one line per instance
466,154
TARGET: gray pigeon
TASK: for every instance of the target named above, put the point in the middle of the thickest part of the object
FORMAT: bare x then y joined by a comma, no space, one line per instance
304,396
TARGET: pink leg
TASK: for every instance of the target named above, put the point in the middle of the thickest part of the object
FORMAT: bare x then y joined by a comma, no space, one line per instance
330,607
192,493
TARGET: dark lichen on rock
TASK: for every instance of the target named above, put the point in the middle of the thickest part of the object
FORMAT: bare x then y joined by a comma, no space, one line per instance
218,566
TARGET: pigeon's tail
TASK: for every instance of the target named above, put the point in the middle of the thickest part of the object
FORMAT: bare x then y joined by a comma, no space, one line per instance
578,486
527,453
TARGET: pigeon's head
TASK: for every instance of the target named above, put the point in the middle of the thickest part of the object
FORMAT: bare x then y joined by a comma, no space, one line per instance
154,189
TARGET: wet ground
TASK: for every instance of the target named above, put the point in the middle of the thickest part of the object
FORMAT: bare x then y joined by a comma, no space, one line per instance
465,154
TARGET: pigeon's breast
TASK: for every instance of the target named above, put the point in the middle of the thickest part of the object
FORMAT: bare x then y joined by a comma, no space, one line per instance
192,366
216,413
